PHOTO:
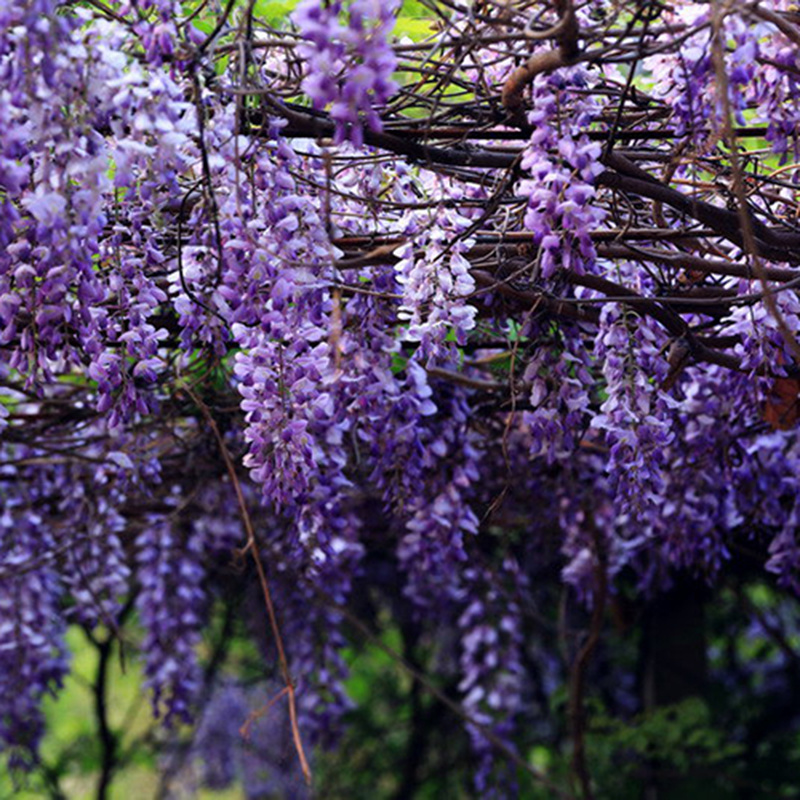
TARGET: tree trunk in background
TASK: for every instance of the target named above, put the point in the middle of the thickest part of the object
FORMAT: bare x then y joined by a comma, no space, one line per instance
675,668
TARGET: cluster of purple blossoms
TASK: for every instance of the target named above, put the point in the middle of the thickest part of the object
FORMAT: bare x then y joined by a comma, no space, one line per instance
269,764
778,96
244,735
491,663
768,498
69,294
437,497
218,734
686,79
635,416
562,164
99,576
434,276
742,63
434,546
171,604
697,507
33,657
559,374
349,66
288,419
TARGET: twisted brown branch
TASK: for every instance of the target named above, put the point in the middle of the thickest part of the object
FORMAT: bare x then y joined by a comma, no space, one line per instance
566,33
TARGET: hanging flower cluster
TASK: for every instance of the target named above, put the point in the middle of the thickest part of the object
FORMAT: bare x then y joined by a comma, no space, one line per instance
350,65
562,164
209,311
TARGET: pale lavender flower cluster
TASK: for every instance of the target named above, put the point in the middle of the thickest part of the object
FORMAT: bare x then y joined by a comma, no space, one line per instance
439,518
433,548
249,281
349,66
99,576
784,553
698,506
767,499
33,658
491,663
274,293
779,99
776,89
778,95
53,169
62,303
760,340
312,570
290,428
30,34
686,79
171,605
436,283
559,374
562,164
635,416
158,33
62,561
742,62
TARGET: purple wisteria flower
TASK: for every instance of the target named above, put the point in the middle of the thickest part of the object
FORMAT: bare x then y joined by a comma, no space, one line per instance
172,605
33,656
562,164
348,66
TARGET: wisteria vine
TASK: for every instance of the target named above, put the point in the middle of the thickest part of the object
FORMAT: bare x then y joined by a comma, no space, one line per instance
427,291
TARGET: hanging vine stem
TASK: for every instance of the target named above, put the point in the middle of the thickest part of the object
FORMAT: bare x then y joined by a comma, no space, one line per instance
251,546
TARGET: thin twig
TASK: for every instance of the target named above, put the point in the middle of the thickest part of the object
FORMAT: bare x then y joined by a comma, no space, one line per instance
252,547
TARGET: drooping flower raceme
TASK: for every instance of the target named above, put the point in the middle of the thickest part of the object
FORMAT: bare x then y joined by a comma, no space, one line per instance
33,660
562,164
633,417
490,661
349,66
171,604
559,376
435,279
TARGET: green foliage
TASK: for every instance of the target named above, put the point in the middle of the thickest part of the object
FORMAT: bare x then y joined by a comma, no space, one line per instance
274,12
394,723
679,738
414,21
71,747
